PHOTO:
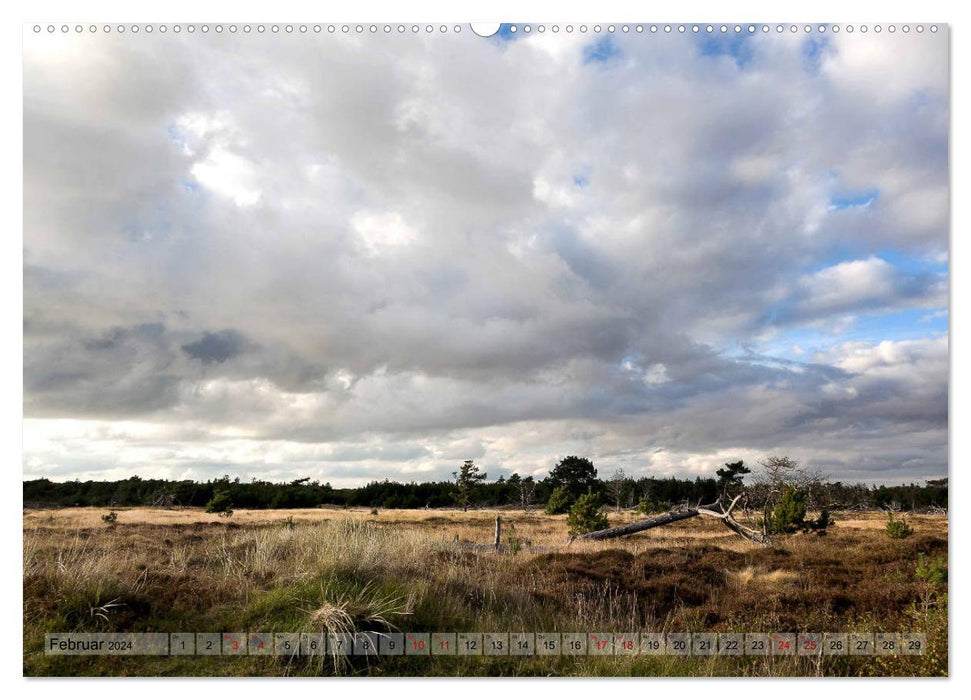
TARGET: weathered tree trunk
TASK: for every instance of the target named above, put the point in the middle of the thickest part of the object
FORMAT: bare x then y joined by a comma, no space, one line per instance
715,510
498,532
640,525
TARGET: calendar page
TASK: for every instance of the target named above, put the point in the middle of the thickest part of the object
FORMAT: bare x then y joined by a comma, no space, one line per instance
468,349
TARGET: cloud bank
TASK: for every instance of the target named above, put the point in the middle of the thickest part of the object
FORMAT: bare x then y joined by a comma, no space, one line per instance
366,257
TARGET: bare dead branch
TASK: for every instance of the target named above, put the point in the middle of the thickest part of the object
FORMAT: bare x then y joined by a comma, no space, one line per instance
714,510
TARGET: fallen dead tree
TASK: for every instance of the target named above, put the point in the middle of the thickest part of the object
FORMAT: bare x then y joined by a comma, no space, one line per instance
713,510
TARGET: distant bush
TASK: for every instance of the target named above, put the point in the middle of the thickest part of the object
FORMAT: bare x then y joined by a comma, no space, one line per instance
898,529
220,504
821,523
646,506
824,520
586,515
110,519
374,511
559,502
789,513
288,523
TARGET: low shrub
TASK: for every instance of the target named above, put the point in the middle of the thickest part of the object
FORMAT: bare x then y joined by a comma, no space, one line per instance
932,571
789,513
586,515
898,529
514,541
220,504
824,520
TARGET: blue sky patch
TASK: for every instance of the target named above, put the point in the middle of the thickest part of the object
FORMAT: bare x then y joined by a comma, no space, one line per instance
602,51
737,46
912,264
505,33
813,49
845,200
908,324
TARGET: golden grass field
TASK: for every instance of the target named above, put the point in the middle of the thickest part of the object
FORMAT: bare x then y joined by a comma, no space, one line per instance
353,570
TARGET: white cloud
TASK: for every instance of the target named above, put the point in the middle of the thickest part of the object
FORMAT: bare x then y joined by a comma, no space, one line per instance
893,358
848,284
380,232
451,245
229,175
866,285
209,139
870,68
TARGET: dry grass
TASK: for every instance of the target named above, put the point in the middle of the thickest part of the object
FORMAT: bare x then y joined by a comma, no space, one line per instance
340,570
472,526
753,576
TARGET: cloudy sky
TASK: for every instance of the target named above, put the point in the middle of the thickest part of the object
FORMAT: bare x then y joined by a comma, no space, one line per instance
365,257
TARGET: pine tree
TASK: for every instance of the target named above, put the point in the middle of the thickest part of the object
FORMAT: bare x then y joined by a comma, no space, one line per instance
467,478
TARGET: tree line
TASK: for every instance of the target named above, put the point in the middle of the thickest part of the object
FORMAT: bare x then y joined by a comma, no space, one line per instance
572,478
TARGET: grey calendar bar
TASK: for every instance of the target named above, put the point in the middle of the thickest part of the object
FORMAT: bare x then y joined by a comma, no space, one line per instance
510,644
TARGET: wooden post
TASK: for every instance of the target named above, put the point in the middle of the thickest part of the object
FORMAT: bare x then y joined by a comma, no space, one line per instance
498,532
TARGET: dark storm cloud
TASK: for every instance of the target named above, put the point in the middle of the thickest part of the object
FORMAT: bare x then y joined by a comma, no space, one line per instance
124,371
216,347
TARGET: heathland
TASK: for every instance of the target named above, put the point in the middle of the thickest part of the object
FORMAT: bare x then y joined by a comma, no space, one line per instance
345,569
